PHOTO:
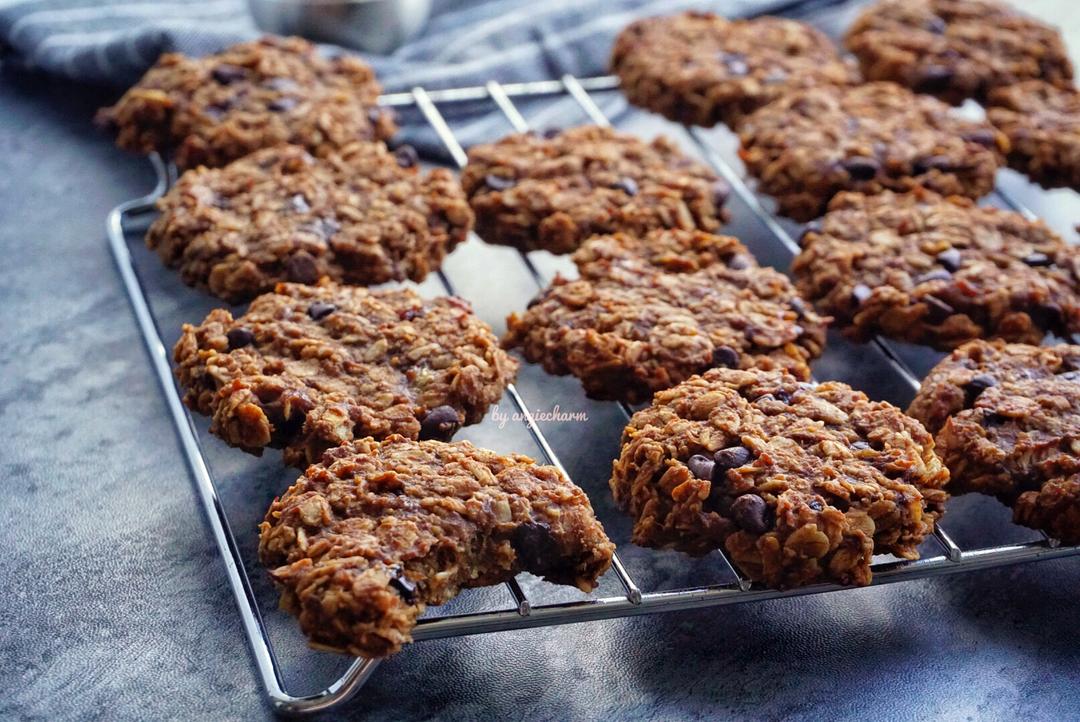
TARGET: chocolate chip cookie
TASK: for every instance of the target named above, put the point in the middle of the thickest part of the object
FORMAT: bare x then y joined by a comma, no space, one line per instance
1008,424
701,69
650,311
362,215
310,367
369,537
211,110
798,483
538,192
809,145
956,49
1042,123
938,271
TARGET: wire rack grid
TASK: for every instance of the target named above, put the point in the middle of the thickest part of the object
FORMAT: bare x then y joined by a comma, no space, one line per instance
523,613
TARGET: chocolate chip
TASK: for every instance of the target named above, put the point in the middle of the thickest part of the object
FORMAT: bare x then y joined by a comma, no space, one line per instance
720,192
861,168
950,259
751,513
725,356
280,105
1070,376
860,445
498,183
320,310
239,337
933,162
935,25
735,64
550,133
701,466
226,74
403,586
815,504
782,396
537,549
731,458
992,419
411,313
861,293
933,79
301,268
938,274
1047,315
299,204
406,156
936,309
974,387
217,110
1038,259
740,262
982,136
440,423
627,185
798,306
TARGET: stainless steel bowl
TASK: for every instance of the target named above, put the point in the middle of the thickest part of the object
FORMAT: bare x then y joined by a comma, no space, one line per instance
377,26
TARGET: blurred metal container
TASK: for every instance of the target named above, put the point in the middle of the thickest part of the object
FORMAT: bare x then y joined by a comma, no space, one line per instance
377,26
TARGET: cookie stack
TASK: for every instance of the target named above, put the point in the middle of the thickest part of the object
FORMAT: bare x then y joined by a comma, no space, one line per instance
291,201
902,250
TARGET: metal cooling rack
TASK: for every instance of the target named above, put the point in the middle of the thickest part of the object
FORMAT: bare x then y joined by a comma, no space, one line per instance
951,558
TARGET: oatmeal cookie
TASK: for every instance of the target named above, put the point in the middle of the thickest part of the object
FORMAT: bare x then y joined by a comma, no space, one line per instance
812,144
369,537
1042,123
938,271
310,367
212,110
701,69
537,192
955,383
798,483
280,214
956,49
650,312
1008,424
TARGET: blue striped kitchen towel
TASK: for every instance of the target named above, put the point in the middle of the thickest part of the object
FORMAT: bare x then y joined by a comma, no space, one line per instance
466,42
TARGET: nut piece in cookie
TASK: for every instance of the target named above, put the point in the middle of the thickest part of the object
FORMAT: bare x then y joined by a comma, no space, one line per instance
809,145
1007,418
956,49
938,271
1042,123
651,311
308,368
552,192
211,110
798,483
280,214
369,537
701,69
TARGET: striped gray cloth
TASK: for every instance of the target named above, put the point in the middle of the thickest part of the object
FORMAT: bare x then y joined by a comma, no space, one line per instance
466,42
